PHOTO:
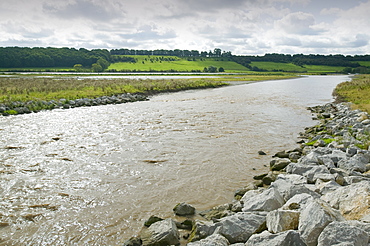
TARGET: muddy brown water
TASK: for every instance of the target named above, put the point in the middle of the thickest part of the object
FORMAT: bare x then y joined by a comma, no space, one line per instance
93,175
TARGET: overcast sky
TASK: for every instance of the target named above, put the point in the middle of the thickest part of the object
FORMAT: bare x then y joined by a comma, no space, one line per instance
244,27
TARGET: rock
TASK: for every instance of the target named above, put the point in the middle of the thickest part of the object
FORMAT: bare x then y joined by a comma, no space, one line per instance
161,233
314,218
239,227
286,238
294,156
311,172
217,212
288,189
152,220
268,200
352,200
326,187
279,164
261,152
240,192
201,229
298,202
184,209
213,240
281,154
342,233
260,177
282,220
269,178
356,163
134,241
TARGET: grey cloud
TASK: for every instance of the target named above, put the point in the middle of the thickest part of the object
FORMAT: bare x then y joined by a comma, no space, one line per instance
148,33
361,41
298,23
104,11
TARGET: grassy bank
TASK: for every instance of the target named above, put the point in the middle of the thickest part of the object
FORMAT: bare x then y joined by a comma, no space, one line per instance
37,89
356,91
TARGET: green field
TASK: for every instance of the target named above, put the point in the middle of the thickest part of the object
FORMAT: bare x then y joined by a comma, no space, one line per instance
290,67
364,63
173,63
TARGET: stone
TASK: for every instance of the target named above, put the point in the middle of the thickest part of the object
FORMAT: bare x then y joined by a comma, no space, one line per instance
161,233
239,193
213,240
286,238
279,164
311,172
268,200
282,220
184,209
298,202
314,218
201,229
282,154
239,227
152,220
134,241
261,152
326,187
356,163
343,233
352,200
217,212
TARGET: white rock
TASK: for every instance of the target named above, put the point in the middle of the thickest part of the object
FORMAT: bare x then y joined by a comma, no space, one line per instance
213,240
352,200
161,233
343,233
286,238
268,200
298,202
239,227
314,218
282,220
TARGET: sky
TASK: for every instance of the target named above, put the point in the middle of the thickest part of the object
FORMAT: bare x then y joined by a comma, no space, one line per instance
244,27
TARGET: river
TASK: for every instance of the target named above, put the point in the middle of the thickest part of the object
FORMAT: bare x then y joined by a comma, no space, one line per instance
93,175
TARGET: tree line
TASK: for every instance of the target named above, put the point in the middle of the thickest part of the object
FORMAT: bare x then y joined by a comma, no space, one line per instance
98,60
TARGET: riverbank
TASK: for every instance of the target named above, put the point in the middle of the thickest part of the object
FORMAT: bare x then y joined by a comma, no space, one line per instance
315,194
31,93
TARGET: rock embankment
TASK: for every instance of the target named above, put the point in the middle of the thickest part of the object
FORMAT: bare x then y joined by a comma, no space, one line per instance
316,194
18,107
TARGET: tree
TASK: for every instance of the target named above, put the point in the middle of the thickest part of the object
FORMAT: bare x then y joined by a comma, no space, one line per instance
221,70
103,63
96,68
78,67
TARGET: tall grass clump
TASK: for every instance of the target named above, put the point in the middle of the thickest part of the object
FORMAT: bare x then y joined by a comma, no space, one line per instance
356,91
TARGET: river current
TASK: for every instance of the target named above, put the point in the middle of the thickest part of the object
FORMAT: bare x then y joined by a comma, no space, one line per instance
93,175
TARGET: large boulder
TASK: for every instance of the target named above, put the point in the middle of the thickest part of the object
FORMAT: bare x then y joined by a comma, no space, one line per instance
213,240
286,238
270,199
314,218
298,202
343,233
282,220
356,163
311,172
352,200
161,233
239,227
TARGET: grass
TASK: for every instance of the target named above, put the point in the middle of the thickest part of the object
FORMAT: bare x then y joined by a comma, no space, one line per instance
33,88
172,63
356,91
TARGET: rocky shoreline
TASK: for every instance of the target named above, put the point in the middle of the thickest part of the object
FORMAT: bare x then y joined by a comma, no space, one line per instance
315,194
36,106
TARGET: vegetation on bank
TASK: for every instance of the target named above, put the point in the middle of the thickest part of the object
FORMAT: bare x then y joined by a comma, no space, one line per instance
356,91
